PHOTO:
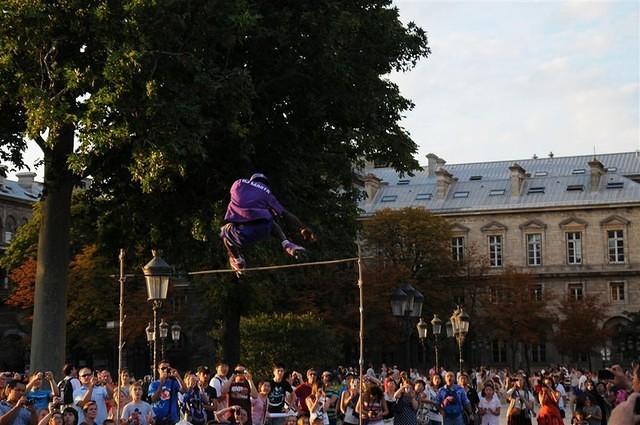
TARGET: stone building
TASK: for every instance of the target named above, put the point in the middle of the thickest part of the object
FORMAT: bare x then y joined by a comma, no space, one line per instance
572,222
16,202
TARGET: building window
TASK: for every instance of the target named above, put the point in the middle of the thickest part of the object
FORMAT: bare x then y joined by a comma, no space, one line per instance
574,247
536,292
495,250
499,350
539,353
576,291
458,299
457,248
616,246
616,289
496,295
534,249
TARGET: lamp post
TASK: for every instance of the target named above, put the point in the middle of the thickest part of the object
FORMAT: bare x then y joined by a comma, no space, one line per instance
459,322
436,326
406,304
423,329
156,274
151,336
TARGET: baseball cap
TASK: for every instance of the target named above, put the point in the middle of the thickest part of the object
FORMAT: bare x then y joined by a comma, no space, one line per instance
259,177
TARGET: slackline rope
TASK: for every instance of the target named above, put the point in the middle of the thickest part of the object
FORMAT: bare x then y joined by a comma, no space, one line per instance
283,266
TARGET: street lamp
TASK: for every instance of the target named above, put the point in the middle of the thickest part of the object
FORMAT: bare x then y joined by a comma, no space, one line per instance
175,332
164,333
436,325
406,304
460,327
423,329
156,274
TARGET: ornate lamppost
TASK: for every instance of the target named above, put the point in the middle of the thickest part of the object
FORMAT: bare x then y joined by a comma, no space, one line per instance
156,274
459,323
423,329
436,326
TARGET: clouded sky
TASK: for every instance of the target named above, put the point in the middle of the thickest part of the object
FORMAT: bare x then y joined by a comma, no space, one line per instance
509,79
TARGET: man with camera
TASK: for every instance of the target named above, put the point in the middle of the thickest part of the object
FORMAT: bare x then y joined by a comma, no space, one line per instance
95,389
16,409
239,389
164,394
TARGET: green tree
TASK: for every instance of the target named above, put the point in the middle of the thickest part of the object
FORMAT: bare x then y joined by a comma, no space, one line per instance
410,245
174,100
297,340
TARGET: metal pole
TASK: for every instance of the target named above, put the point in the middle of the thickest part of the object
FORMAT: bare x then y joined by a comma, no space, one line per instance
156,334
460,351
407,332
361,309
435,345
120,332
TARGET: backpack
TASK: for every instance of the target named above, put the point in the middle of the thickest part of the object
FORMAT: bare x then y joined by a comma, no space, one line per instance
451,403
66,391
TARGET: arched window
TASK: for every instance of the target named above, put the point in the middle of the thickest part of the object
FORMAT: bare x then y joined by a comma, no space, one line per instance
10,229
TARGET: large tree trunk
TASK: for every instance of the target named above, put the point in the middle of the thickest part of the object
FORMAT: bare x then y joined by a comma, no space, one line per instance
231,335
48,334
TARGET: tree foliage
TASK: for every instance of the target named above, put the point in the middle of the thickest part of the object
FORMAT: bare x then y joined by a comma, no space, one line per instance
579,326
297,340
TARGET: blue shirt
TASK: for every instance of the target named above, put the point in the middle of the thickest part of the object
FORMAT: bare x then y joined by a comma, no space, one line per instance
166,407
40,398
449,396
252,201
23,417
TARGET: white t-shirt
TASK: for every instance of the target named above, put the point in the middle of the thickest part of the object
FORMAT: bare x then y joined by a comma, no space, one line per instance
138,412
217,382
433,414
99,395
493,404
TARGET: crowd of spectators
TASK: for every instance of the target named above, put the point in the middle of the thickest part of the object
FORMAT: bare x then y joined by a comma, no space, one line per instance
388,396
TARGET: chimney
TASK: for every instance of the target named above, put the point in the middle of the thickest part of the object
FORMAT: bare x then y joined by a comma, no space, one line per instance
432,159
597,171
26,180
443,182
371,186
517,179
440,162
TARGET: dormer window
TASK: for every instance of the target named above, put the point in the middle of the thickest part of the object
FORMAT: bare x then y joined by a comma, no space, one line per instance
496,192
537,189
403,182
475,178
578,171
541,173
461,194
575,188
615,185
423,196
389,198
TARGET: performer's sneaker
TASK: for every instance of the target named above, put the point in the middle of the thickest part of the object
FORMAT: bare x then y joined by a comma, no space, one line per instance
237,265
293,250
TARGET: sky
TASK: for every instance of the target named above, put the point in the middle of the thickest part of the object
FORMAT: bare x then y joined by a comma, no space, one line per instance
510,79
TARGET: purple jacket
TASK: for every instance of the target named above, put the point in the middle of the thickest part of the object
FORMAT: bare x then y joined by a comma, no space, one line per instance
251,201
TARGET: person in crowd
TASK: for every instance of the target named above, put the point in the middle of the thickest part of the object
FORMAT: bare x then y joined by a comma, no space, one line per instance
348,401
191,401
389,390
406,404
423,401
332,390
163,393
259,404
68,384
280,396
521,401
316,402
218,381
90,413
431,391
592,412
239,389
372,406
53,416
489,406
290,419
559,387
548,397
42,393
207,392
452,401
15,409
578,418
137,411
240,416
472,396
69,416
591,391
124,384
92,388
303,391
303,420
